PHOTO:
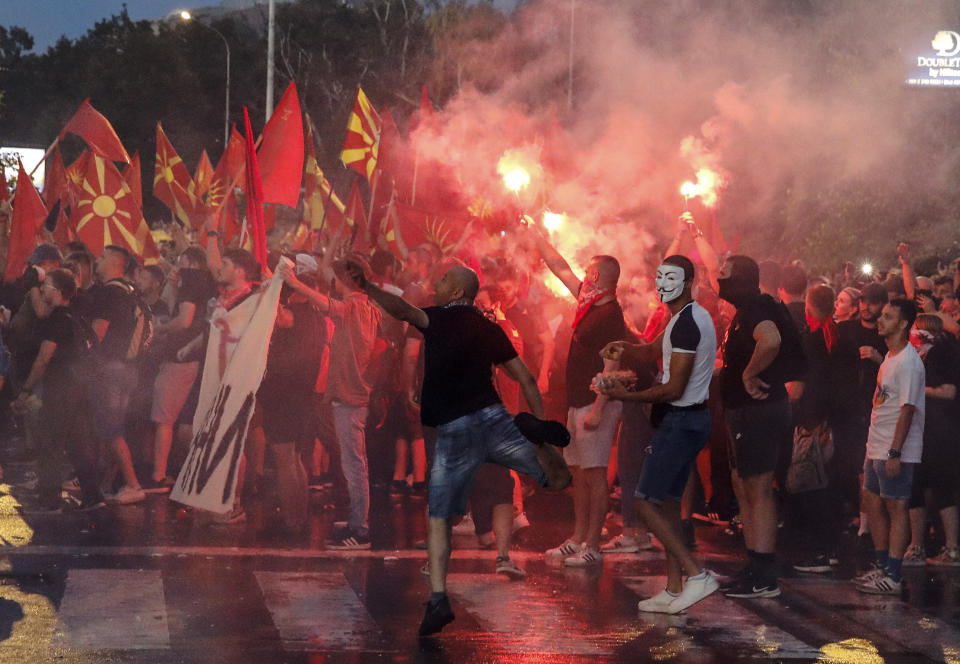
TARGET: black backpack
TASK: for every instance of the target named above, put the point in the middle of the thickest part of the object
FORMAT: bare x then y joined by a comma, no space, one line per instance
143,321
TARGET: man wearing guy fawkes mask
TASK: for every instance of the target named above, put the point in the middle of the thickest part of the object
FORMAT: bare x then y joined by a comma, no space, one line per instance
757,413
687,346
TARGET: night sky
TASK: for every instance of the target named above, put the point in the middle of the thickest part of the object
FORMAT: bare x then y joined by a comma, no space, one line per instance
47,20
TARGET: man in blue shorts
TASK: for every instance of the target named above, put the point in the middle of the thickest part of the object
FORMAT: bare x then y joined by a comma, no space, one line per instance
894,448
687,346
461,347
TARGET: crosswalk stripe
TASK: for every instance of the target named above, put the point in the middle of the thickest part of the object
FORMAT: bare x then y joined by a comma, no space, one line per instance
525,618
105,609
723,625
888,616
318,611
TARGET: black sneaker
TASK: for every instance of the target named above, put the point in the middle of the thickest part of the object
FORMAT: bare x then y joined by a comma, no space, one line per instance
91,503
754,589
437,616
350,542
814,565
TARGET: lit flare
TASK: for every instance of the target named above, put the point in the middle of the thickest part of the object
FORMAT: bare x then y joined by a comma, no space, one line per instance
706,187
552,221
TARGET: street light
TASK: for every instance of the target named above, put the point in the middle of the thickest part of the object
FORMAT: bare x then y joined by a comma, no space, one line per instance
187,16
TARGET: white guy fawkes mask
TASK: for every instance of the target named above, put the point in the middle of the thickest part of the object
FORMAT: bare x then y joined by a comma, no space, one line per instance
669,282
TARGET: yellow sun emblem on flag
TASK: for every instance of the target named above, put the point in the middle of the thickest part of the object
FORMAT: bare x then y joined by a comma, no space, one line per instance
105,204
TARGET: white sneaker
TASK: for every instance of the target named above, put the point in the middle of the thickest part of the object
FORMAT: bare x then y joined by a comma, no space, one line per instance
586,557
872,574
621,544
465,527
565,550
659,603
697,588
127,496
915,556
880,585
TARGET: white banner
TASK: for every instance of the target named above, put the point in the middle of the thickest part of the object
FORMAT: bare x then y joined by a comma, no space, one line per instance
235,363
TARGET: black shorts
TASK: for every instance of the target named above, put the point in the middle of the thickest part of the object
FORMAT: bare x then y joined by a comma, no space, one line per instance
288,413
757,433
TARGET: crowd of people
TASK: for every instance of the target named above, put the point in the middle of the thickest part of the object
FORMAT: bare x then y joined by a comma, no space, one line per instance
753,393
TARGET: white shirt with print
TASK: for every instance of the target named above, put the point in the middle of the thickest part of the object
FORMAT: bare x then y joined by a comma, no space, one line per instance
900,382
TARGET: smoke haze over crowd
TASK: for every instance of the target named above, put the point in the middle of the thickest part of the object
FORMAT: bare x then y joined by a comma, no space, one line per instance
785,100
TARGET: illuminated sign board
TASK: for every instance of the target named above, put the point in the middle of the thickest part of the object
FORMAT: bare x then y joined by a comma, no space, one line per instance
940,65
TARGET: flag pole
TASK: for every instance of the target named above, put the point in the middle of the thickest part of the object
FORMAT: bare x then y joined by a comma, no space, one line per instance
46,154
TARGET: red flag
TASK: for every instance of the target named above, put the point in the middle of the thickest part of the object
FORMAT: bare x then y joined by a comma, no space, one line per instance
281,152
204,175
106,212
29,214
229,171
356,218
417,227
55,184
173,185
131,175
63,233
96,130
362,143
254,197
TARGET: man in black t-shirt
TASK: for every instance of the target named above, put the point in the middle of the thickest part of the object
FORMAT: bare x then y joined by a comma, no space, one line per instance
195,287
64,414
461,349
860,350
758,415
112,304
591,418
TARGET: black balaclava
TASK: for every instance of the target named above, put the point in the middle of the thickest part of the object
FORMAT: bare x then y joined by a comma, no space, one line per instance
743,283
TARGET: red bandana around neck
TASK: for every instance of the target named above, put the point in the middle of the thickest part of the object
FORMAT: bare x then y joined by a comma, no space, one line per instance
589,294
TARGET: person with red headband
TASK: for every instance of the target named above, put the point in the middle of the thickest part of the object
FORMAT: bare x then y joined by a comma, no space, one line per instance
592,419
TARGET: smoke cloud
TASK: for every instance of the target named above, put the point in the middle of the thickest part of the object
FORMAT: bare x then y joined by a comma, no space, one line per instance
789,102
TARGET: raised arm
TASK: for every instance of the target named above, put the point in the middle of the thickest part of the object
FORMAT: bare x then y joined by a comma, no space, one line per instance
909,276
557,263
394,305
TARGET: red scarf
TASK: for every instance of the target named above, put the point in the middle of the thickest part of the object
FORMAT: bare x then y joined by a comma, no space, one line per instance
589,294
829,330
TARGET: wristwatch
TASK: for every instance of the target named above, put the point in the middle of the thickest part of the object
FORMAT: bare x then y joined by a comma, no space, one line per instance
213,233
893,454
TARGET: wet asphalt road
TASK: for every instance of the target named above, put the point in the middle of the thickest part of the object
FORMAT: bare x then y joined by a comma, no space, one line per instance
140,584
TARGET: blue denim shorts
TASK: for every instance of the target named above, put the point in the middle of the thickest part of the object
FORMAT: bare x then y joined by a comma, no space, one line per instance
465,444
671,455
875,479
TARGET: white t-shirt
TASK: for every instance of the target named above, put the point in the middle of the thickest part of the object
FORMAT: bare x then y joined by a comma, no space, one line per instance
900,382
691,331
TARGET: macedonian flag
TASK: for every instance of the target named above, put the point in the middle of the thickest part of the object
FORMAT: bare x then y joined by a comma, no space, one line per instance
106,212
173,184
362,144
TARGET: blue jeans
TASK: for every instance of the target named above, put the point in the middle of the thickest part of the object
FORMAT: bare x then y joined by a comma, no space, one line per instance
635,435
349,424
465,444
671,455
